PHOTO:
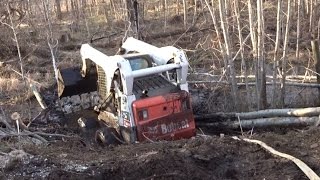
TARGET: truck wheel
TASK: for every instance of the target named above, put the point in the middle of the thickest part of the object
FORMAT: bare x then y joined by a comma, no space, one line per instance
107,136
85,123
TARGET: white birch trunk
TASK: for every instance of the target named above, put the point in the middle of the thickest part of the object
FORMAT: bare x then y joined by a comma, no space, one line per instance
216,28
284,54
224,26
261,80
311,16
298,30
276,54
184,13
244,71
253,34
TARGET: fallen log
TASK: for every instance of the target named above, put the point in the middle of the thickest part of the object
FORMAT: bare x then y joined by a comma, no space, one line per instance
268,113
301,78
309,85
262,122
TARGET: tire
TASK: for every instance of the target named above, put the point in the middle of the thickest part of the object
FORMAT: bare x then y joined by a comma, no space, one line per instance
107,136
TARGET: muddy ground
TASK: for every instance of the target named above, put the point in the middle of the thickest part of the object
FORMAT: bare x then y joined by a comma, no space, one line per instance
210,155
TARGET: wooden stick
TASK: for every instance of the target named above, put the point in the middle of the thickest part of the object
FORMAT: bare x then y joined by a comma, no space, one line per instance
38,96
305,168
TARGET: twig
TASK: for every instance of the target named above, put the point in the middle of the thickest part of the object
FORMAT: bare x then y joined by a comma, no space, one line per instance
251,131
49,134
126,32
36,134
29,79
147,137
38,96
202,135
40,138
34,119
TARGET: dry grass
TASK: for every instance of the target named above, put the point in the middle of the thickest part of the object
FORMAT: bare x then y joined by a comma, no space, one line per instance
10,84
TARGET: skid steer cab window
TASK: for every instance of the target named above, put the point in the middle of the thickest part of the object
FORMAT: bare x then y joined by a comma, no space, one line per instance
138,63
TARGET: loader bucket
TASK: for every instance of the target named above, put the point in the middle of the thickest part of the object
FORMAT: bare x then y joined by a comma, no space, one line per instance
70,82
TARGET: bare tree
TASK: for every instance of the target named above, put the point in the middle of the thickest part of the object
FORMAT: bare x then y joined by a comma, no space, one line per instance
52,43
216,28
261,79
311,16
276,54
184,13
130,10
244,71
284,58
253,34
15,38
164,7
298,30
227,46
58,9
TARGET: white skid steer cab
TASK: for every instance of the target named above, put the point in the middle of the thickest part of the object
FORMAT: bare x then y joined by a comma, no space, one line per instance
140,94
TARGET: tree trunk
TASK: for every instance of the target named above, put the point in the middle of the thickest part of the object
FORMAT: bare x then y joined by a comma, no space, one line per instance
298,30
276,54
319,28
164,7
261,79
67,5
178,7
244,71
311,17
58,8
227,45
254,42
130,11
316,56
184,13
284,58
216,28
306,5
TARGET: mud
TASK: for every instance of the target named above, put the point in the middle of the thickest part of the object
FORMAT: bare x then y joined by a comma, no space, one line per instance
211,156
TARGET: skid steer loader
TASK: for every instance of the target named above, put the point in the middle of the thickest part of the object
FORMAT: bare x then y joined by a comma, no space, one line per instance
141,93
